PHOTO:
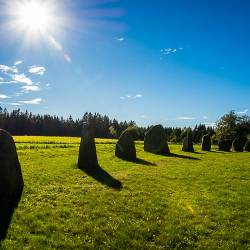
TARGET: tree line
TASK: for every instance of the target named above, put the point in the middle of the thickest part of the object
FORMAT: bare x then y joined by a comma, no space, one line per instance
26,123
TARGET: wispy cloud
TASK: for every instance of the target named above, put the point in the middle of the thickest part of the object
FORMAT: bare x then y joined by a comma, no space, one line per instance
39,70
2,96
242,112
131,97
30,88
27,83
185,118
17,63
168,51
210,124
21,78
15,104
120,39
7,69
35,101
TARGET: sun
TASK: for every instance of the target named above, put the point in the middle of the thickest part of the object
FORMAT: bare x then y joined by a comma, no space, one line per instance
34,16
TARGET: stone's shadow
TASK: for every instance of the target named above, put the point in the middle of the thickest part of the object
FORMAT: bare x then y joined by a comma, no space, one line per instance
198,153
182,156
144,162
175,155
218,152
7,208
103,177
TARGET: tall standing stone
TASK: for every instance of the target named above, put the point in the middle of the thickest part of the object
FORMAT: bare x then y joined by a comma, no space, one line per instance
239,143
125,146
87,158
188,144
155,140
225,145
247,146
11,181
206,142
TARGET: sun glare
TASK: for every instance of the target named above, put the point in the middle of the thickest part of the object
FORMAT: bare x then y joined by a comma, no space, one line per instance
34,16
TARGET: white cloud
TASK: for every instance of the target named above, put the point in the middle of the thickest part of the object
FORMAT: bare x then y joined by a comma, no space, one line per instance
120,39
22,79
7,82
137,96
37,70
185,118
1,79
35,101
131,97
168,51
2,96
18,62
15,104
6,69
204,117
242,112
30,88
210,124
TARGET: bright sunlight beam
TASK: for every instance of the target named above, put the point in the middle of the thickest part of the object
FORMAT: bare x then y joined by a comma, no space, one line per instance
34,16
37,21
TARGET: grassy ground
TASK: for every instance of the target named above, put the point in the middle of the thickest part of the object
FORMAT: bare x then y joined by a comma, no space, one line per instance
189,200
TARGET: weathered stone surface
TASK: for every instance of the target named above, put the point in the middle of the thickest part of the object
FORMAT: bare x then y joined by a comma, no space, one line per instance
87,157
239,143
247,146
224,145
155,140
125,147
206,142
11,180
188,144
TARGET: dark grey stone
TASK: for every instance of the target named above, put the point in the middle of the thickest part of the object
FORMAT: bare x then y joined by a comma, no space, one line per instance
247,146
155,140
239,143
87,157
125,147
206,142
188,144
11,181
225,145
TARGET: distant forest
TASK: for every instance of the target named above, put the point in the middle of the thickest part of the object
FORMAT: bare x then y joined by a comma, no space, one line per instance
26,123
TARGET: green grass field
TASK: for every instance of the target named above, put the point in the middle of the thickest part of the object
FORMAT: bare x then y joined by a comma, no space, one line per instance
184,201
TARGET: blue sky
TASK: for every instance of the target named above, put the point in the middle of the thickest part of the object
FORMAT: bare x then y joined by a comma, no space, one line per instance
175,62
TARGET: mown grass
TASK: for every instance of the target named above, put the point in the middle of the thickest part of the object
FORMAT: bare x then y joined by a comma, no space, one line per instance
184,201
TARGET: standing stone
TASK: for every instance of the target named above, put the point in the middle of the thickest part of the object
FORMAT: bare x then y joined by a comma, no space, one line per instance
125,147
155,140
11,181
224,145
206,142
87,158
239,143
247,146
188,144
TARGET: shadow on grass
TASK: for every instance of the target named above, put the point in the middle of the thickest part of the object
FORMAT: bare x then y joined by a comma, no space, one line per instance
103,177
181,156
7,208
217,151
144,162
